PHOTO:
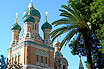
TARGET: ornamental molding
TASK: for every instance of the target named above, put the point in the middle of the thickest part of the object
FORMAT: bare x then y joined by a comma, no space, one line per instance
41,53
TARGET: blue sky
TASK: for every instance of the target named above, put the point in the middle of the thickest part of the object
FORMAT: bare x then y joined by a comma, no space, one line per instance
8,9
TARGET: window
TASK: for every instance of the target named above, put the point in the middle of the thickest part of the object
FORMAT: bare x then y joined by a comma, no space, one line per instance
16,59
64,67
41,59
12,60
19,59
27,57
46,60
27,35
37,57
35,26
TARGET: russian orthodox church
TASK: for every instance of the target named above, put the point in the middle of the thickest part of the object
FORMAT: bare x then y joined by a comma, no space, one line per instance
30,49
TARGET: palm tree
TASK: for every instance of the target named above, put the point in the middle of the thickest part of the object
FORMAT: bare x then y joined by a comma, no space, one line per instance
74,23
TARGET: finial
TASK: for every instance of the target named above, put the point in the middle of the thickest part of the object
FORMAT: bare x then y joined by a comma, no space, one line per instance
46,15
29,9
16,16
31,3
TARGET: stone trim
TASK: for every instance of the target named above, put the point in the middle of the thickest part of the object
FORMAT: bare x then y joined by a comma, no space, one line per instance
30,42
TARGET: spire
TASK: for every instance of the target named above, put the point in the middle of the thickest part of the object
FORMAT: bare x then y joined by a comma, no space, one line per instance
80,65
16,16
46,15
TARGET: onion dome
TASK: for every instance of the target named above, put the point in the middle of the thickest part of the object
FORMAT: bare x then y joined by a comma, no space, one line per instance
57,43
33,12
16,26
46,25
29,19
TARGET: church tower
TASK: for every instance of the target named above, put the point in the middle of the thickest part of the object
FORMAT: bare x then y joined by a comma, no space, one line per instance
15,32
59,61
46,27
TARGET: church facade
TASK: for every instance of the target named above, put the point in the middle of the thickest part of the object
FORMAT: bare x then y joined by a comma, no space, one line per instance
30,49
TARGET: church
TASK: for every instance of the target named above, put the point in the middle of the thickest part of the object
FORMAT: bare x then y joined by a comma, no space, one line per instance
30,49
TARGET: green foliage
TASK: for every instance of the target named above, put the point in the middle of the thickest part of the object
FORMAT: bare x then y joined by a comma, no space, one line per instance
100,35
97,8
3,62
97,18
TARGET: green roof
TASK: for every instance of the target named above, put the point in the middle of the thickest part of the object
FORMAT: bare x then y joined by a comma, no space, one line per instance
16,26
33,12
46,25
29,19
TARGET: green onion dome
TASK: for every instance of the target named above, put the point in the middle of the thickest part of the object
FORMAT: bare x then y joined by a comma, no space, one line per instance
46,25
33,12
16,26
29,19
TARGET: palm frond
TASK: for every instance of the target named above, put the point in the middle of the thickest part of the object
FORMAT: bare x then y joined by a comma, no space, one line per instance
64,21
62,30
69,36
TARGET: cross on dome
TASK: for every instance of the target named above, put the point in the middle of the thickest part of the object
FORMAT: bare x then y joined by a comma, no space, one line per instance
31,0
46,15
16,16
30,4
29,8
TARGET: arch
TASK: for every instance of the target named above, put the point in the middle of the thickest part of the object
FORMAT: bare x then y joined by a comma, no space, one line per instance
37,52
56,61
64,60
41,53
46,54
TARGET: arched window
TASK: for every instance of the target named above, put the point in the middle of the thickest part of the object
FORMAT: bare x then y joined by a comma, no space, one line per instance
35,26
12,60
41,59
37,58
64,66
19,59
46,60
15,58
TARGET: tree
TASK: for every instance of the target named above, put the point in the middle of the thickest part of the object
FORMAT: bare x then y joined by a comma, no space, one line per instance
3,62
97,18
76,22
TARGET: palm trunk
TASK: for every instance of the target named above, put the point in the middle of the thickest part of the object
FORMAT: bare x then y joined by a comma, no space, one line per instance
87,49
